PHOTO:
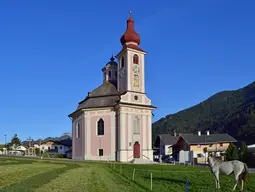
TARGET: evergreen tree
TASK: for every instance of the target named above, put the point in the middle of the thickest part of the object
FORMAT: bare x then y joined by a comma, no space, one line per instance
15,140
242,151
232,153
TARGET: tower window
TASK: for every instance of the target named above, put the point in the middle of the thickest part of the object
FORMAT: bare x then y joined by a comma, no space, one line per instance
136,81
122,63
135,59
100,127
115,74
136,125
110,74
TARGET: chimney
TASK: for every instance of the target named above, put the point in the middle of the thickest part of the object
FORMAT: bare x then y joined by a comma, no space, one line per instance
208,132
199,133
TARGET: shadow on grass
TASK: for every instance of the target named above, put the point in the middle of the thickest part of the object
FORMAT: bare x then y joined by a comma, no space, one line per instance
37,181
124,176
18,162
170,180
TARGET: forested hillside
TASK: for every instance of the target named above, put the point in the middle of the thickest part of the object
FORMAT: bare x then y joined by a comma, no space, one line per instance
231,112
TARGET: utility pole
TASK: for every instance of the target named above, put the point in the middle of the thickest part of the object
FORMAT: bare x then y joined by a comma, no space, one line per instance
206,149
5,140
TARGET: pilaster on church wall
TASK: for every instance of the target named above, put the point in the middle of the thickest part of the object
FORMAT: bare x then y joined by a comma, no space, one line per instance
77,147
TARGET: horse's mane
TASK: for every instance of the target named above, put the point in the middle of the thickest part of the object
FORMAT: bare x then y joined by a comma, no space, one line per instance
218,159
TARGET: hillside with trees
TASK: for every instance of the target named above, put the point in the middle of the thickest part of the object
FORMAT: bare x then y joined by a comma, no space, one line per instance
231,112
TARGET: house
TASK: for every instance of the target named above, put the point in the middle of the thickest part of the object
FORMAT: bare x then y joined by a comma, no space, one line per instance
114,121
54,147
17,150
164,145
202,144
251,149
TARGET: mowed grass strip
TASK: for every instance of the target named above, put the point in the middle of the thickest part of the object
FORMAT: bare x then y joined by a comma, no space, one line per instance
11,174
91,178
37,179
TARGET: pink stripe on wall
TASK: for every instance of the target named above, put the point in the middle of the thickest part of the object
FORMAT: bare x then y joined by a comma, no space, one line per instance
78,142
101,142
147,131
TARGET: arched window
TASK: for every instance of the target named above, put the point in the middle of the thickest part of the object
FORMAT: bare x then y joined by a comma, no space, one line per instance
110,74
135,59
122,62
136,125
100,127
78,130
136,80
56,148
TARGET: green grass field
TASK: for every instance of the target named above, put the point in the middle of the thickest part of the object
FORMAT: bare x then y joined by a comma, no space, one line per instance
20,175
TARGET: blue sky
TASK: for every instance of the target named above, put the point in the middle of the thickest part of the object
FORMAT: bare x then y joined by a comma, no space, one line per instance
52,52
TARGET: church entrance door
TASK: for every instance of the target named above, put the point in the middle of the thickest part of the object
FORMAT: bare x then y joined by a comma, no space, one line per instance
136,150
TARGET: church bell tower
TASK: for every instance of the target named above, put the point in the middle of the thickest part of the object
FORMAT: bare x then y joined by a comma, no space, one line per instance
131,61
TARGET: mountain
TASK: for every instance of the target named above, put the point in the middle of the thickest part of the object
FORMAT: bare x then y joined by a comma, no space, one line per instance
231,112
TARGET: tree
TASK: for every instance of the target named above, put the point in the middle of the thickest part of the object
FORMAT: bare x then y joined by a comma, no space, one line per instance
15,140
242,150
37,151
232,153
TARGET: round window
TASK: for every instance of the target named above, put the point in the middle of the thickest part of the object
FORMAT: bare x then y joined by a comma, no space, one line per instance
136,97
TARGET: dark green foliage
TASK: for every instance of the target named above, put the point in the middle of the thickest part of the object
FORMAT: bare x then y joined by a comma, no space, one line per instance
15,140
231,112
232,153
37,151
242,151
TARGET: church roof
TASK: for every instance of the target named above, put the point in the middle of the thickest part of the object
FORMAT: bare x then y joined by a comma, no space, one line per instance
106,89
106,95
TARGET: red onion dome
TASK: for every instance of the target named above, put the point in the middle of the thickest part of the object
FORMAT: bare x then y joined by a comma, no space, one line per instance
130,35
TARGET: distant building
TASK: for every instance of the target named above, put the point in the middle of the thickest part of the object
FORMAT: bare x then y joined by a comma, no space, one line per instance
164,145
202,144
53,147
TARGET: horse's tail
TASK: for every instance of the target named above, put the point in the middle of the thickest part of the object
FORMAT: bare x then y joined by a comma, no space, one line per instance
244,174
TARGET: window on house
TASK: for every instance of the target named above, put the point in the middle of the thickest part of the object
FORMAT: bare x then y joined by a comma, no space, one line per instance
60,147
221,144
48,148
101,152
210,145
56,148
135,59
122,62
100,127
78,130
110,74
136,125
169,150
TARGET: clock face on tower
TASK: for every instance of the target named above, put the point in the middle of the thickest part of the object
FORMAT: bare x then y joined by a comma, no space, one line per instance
122,73
136,69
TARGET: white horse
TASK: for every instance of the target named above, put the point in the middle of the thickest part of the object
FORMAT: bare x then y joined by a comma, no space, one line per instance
239,168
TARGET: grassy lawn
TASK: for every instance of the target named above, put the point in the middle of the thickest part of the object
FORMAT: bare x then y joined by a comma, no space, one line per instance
44,175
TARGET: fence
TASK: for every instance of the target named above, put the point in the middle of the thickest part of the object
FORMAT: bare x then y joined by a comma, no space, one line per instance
166,178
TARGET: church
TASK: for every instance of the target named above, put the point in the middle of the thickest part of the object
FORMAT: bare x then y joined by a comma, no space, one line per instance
114,121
